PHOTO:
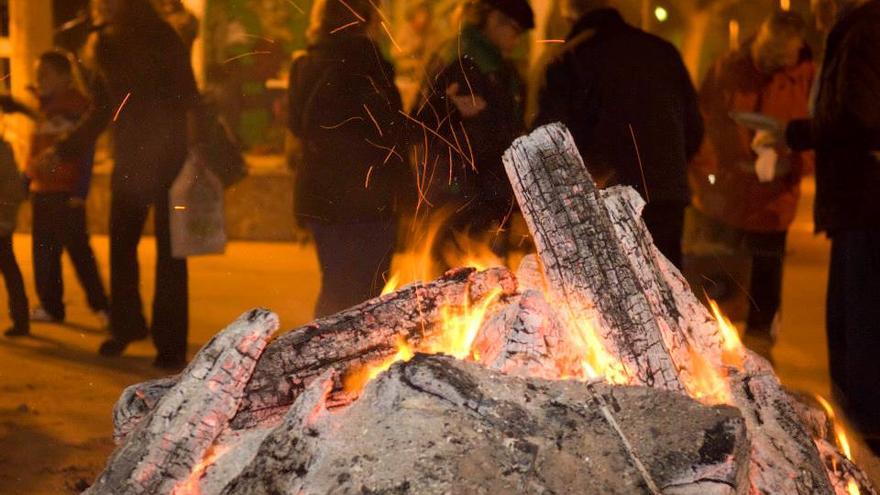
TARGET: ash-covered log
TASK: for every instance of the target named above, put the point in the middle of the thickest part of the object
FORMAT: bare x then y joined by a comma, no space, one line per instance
163,448
436,425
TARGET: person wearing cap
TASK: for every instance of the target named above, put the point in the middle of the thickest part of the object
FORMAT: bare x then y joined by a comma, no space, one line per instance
470,108
631,106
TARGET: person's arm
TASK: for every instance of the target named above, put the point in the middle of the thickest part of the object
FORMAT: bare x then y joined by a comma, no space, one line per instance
10,105
79,141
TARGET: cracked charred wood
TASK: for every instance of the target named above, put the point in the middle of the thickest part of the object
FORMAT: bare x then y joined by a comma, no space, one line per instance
784,458
363,334
526,338
688,324
436,425
163,448
587,267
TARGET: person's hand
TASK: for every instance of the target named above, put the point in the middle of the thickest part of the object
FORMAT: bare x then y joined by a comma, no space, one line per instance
469,106
764,139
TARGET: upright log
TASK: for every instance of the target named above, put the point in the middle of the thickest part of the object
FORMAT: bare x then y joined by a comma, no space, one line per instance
589,272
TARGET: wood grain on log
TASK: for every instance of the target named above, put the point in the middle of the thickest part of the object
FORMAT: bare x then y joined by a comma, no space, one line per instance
589,272
163,448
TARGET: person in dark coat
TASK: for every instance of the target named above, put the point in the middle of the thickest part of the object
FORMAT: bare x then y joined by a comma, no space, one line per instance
754,199
471,109
144,89
12,193
345,113
845,133
629,102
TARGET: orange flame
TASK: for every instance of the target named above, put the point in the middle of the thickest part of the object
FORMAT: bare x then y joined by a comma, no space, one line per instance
733,353
597,362
190,486
852,488
839,433
356,380
707,383
459,326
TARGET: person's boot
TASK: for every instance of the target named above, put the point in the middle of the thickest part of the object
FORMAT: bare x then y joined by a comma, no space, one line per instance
112,347
18,330
41,315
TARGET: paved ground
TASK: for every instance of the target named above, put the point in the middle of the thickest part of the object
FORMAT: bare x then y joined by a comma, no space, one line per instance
56,393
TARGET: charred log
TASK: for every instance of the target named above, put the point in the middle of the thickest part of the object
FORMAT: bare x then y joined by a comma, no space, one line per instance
587,267
163,448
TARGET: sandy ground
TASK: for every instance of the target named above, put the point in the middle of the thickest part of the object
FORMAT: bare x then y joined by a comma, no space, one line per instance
56,394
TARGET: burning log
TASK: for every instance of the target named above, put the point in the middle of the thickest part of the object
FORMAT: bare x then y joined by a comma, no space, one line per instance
599,301
587,266
164,447
784,458
526,338
438,425
343,342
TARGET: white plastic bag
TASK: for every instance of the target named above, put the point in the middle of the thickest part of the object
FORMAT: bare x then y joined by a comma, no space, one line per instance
197,217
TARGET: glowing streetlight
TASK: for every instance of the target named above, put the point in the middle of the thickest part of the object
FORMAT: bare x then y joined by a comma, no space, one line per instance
661,14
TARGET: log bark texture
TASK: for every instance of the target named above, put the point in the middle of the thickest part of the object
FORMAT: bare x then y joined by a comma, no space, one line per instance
588,269
162,450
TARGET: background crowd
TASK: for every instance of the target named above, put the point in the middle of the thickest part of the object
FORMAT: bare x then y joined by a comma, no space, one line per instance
726,158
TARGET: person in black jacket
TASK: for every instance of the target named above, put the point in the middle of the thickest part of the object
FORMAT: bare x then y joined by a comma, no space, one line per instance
632,109
845,132
144,89
345,113
471,109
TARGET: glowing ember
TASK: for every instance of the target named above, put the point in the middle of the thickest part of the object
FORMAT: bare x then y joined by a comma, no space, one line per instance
190,486
839,433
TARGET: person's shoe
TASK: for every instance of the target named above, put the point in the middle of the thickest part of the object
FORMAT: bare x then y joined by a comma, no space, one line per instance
40,315
17,331
103,319
112,347
168,363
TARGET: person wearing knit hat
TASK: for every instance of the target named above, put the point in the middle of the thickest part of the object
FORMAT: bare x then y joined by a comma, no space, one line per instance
472,101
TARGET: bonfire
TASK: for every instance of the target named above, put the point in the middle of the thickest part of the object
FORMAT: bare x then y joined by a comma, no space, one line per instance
592,368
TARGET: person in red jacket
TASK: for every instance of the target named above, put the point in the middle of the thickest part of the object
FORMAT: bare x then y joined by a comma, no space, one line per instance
58,191
751,191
